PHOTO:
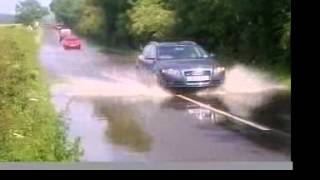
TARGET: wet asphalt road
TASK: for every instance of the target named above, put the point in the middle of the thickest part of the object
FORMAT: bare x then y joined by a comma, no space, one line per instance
120,119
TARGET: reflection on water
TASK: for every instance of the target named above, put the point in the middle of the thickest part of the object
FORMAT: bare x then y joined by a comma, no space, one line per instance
123,128
271,109
200,113
172,130
276,112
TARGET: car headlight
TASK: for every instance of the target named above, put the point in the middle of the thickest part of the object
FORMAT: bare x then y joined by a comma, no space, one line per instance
173,72
219,69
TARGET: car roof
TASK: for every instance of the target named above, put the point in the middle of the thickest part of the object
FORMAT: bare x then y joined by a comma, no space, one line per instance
173,43
65,29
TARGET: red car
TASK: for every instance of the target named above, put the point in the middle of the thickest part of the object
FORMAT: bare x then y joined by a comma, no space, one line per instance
71,42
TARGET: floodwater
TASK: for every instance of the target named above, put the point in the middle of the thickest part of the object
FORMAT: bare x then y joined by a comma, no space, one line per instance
121,119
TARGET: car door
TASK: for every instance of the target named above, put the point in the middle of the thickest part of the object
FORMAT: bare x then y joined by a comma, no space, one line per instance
150,58
141,58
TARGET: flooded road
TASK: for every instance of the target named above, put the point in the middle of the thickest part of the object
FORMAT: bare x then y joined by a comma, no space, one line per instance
120,119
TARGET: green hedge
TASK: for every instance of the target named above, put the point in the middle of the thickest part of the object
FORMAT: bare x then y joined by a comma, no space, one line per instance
30,129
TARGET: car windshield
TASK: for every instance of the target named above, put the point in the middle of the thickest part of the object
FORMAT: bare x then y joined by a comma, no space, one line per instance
72,39
181,52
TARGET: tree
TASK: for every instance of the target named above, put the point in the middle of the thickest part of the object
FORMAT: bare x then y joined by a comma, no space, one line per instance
29,11
116,20
68,11
245,28
150,19
91,22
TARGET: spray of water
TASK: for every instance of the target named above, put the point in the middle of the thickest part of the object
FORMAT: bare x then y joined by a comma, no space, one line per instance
122,87
245,79
244,90
241,79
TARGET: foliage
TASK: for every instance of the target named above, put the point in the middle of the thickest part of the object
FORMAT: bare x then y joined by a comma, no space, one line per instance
29,11
91,22
149,19
67,11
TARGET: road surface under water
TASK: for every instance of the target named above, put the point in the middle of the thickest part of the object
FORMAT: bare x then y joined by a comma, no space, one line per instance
120,119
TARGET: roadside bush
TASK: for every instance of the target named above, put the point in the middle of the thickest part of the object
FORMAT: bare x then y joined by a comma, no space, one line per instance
91,22
30,129
149,19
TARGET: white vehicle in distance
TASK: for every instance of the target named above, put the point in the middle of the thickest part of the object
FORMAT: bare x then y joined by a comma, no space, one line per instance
64,33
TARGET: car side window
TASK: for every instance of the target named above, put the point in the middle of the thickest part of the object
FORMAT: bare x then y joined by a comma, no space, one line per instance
153,52
150,51
146,51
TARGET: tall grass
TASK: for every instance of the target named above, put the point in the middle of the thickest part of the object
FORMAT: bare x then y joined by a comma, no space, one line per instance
30,129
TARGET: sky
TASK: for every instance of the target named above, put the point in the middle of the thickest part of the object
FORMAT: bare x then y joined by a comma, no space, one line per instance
8,6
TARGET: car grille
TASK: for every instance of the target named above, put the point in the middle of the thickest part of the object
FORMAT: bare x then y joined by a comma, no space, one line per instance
197,73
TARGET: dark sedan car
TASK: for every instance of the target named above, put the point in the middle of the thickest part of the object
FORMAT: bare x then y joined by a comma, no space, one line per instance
181,65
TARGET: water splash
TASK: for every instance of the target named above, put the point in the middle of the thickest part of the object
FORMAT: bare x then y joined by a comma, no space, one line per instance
244,90
87,87
241,79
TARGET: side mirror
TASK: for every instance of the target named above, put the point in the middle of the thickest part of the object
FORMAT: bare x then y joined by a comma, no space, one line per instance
141,57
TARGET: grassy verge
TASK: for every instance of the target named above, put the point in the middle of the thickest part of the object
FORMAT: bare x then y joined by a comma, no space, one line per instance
30,129
281,74
10,25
